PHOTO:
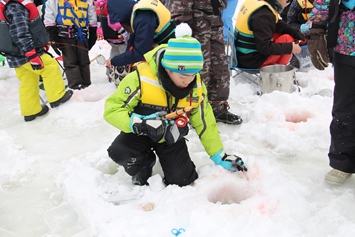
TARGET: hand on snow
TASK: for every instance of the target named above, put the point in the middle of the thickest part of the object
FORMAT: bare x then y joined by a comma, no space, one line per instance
229,162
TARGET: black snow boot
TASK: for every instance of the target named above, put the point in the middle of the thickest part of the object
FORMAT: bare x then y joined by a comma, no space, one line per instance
143,175
67,95
44,110
223,115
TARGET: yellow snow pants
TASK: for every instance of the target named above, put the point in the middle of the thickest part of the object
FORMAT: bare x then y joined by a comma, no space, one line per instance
29,84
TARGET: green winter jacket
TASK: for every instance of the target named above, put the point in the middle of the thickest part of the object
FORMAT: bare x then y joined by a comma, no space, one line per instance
128,96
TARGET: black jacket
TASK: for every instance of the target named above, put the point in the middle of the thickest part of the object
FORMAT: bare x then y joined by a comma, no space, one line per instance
263,25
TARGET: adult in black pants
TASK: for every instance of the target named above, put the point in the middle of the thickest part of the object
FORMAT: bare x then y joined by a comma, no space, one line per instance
342,128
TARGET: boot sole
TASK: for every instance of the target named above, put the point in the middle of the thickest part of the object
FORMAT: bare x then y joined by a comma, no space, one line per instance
228,122
68,94
44,111
332,181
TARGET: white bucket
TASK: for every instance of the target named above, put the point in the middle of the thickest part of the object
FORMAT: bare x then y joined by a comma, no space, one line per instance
277,77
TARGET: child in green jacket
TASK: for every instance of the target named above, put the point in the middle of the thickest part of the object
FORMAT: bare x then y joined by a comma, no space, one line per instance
168,82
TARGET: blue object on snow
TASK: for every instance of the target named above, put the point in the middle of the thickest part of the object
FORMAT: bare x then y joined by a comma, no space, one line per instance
177,232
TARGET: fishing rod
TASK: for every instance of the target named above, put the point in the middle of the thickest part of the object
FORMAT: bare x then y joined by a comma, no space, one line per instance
178,112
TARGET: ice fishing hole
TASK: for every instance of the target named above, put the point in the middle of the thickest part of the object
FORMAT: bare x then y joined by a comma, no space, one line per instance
298,116
228,194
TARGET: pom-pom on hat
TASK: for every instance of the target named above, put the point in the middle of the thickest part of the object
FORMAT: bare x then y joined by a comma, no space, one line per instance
183,54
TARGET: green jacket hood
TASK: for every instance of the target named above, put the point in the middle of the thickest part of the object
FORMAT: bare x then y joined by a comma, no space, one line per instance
152,56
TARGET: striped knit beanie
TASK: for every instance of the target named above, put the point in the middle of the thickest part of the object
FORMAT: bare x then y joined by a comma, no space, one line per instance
183,53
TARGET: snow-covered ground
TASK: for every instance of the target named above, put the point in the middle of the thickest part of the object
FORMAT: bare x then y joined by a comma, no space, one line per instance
56,178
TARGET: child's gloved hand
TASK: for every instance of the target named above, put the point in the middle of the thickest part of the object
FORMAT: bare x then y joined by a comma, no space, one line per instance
149,125
35,60
229,162
304,28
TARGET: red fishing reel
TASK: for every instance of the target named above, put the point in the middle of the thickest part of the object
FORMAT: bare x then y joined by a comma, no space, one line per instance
181,121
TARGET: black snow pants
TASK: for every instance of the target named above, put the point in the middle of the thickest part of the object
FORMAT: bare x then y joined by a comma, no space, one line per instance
130,151
342,128
76,61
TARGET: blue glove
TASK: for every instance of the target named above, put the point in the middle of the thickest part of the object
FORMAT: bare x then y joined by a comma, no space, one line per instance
229,162
149,125
304,28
